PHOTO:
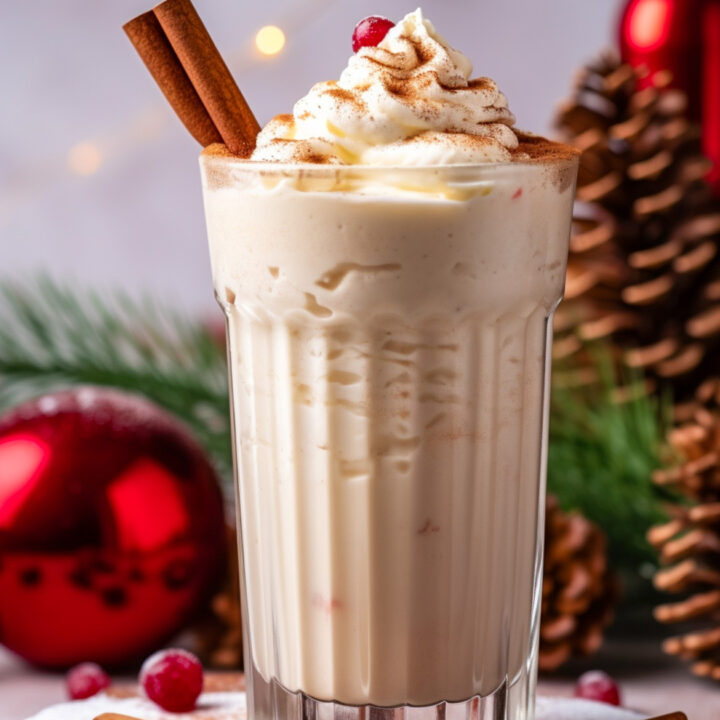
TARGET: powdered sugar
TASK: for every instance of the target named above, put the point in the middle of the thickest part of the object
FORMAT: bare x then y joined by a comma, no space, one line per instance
211,706
571,709
232,706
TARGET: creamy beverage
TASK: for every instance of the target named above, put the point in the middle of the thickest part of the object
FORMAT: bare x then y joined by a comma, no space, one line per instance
389,260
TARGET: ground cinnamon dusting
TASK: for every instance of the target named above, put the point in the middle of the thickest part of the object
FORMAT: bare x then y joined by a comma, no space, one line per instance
316,159
480,83
334,90
219,150
531,148
541,149
424,54
345,95
398,88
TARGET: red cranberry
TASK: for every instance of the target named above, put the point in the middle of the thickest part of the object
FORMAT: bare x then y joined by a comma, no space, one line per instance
173,679
599,686
85,680
370,32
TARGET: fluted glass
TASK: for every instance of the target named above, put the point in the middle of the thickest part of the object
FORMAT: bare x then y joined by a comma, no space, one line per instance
389,334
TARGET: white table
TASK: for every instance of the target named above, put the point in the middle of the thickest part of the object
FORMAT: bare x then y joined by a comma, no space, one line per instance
649,682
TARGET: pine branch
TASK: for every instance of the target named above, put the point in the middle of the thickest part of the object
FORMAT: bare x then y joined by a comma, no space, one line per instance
52,337
602,454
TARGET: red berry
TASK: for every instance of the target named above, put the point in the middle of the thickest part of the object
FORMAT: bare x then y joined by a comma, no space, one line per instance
370,32
85,680
599,686
173,679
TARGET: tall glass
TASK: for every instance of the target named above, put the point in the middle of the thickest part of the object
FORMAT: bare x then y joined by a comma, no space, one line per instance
389,334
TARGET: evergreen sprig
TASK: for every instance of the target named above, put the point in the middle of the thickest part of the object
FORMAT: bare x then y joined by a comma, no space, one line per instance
54,336
601,457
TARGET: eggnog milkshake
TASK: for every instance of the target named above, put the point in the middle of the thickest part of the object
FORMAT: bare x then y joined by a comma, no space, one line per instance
388,261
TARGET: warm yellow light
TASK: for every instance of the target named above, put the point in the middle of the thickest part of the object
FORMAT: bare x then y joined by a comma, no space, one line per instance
85,158
270,40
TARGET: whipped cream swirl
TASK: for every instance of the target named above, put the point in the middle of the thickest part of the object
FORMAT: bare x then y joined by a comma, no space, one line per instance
408,101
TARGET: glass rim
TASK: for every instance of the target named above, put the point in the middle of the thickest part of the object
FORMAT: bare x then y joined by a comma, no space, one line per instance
227,160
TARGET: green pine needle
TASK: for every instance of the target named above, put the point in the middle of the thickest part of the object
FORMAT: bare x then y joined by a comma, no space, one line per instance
602,454
54,337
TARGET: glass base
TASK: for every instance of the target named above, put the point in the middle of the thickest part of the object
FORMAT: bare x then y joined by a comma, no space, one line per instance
271,701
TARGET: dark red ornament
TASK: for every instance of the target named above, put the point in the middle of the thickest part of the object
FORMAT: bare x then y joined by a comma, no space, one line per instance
112,528
682,36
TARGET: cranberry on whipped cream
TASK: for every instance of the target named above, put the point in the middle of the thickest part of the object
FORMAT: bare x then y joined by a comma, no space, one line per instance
410,100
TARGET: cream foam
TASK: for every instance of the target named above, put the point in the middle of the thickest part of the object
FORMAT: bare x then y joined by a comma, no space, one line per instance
408,101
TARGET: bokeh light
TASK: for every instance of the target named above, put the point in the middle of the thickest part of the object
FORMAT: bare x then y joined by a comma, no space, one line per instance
85,158
270,40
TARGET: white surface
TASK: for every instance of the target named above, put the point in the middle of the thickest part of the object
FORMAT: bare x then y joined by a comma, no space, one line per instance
570,709
68,74
231,706
648,681
219,706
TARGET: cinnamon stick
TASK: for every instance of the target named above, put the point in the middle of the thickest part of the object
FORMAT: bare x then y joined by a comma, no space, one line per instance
115,716
182,58
209,74
670,716
153,47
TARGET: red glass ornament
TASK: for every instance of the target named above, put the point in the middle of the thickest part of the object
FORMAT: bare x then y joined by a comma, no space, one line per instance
711,88
682,36
111,528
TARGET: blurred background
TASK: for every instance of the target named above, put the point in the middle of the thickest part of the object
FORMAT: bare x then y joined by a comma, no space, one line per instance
100,189
98,179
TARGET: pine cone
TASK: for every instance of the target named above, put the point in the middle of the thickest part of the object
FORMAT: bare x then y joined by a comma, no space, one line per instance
644,267
690,541
218,636
578,593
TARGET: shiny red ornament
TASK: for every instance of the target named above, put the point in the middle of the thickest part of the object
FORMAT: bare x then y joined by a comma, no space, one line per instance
111,528
682,36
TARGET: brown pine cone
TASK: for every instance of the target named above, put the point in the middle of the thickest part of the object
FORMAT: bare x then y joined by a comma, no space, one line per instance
218,635
579,592
644,265
690,542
